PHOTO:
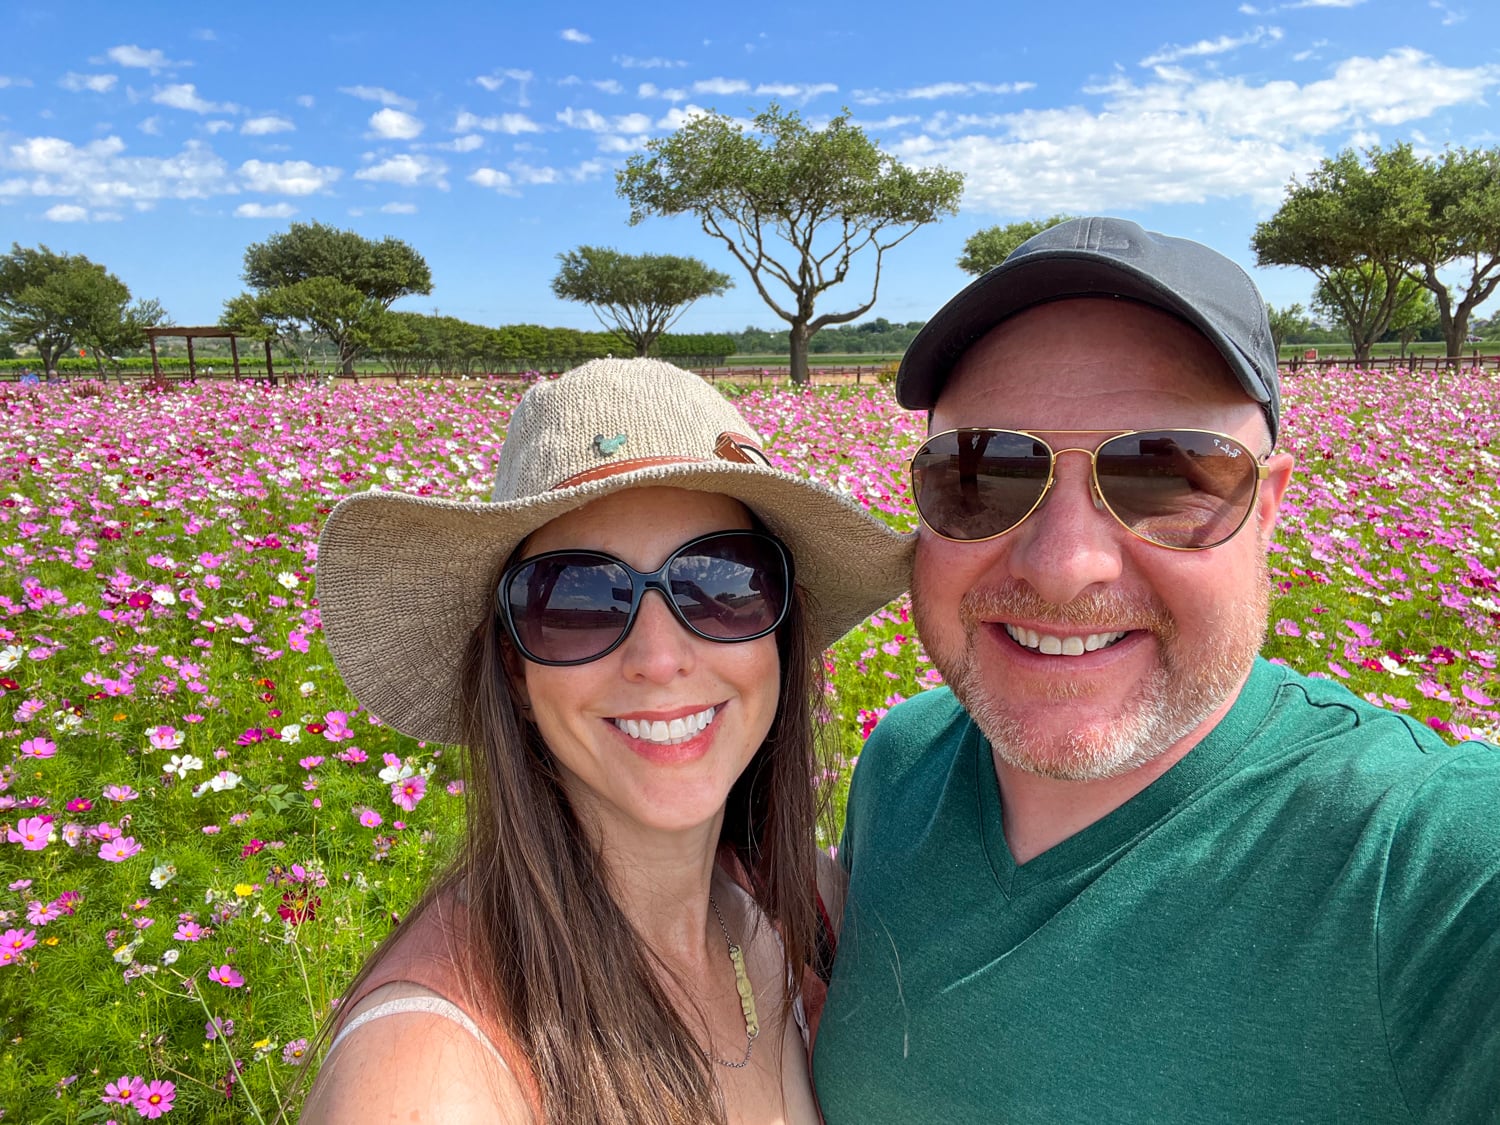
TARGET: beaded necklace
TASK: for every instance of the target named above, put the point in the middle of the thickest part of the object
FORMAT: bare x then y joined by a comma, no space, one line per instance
742,986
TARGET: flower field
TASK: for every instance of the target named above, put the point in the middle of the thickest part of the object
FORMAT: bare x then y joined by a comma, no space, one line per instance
201,834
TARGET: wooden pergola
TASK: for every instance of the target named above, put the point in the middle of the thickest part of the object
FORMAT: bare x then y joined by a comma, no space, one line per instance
211,332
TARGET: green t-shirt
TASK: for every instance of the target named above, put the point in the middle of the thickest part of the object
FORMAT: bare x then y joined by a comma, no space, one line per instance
1300,921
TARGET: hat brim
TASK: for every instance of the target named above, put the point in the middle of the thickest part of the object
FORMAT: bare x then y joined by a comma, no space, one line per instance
1035,279
403,580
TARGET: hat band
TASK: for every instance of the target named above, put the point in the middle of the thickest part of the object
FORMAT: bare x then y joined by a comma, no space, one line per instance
737,448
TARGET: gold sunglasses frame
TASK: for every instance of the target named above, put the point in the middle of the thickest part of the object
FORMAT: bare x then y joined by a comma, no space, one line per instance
1101,502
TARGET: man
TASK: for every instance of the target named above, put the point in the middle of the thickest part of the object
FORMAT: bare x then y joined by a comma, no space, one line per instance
1125,870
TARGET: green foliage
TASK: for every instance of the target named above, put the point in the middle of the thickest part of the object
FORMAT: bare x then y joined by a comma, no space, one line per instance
636,296
986,249
315,282
58,302
1286,323
793,205
1368,305
870,337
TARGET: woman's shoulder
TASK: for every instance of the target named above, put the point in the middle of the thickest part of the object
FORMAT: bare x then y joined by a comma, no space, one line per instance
407,1051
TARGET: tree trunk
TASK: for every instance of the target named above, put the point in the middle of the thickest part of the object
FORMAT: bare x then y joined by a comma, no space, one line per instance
798,338
1455,333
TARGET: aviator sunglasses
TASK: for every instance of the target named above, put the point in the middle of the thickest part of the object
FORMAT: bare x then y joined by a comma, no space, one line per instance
571,607
1186,490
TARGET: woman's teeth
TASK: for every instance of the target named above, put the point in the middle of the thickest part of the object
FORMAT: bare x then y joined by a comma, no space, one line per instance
669,733
1049,645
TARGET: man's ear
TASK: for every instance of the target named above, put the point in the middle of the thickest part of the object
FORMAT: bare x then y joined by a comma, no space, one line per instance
1268,503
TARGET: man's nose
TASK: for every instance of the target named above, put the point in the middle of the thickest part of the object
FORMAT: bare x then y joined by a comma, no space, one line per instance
1071,541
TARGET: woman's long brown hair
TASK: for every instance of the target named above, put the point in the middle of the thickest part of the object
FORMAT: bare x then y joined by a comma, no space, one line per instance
549,950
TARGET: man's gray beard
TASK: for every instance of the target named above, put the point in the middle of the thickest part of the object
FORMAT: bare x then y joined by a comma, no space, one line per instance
1183,691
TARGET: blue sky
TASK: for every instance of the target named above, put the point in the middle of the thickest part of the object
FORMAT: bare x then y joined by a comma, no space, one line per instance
160,139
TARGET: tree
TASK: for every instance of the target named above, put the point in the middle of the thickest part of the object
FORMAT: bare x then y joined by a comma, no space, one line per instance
1413,317
1358,298
1347,224
639,296
315,279
987,248
793,205
1286,323
1459,222
57,302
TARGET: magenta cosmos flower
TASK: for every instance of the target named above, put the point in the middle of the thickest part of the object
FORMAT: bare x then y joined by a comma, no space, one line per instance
118,850
13,943
226,975
31,832
155,1099
123,1090
409,792
38,748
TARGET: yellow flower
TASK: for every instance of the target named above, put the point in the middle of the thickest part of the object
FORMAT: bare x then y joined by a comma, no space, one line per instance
261,1044
244,890
119,716
50,941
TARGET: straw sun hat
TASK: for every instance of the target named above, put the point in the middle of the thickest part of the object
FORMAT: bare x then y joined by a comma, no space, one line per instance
403,580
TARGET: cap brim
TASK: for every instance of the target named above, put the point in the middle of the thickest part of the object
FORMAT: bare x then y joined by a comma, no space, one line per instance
403,580
1035,279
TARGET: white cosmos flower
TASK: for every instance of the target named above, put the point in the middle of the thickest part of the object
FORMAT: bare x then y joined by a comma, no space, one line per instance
10,656
288,579
161,875
291,734
183,764
399,772
162,596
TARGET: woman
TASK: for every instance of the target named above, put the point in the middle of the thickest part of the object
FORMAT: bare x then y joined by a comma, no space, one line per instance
627,638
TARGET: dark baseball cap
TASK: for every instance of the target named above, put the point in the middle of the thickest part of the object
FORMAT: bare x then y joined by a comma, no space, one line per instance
1104,257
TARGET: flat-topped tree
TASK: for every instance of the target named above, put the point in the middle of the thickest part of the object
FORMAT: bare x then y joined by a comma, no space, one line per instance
793,205
316,279
985,249
636,296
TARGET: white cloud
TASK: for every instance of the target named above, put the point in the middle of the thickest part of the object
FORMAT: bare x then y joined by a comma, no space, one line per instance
264,211
141,58
184,95
598,123
1450,16
95,83
399,208
6,80
722,86
467,143
1219,138
268,123
650,90
511,123
622,144
205,34
288,177
608,86
306,101
378,94
676,117
940,90
573,35
492,178
67,213
494,82
1212,46
407,169
394,125
102,174
793,91
151,126
212,127
630,62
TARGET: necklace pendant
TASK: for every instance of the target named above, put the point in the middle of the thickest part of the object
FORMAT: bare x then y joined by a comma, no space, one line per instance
747,994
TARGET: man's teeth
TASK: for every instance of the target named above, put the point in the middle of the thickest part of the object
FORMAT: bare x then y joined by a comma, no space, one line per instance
668,733
1048,645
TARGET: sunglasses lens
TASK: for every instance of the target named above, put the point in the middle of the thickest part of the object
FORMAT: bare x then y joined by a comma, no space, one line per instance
731,586
976,484
568,608
1178,488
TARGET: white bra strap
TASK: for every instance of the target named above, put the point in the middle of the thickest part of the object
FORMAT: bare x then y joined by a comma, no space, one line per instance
430,1005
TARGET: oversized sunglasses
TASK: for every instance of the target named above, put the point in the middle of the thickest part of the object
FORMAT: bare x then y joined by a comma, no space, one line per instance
1187,490
571,607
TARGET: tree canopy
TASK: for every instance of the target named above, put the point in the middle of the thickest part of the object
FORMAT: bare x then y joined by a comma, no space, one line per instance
793,205
638,296
1395,214
316,280
1368,305
987,248
56,302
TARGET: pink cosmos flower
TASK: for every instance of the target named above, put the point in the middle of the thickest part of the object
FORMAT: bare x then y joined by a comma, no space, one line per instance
16,942
38,748
155,1099
118,850
188,931
40,913
371,819
123,1090
227,975
164,738
31,832
119,793
409,792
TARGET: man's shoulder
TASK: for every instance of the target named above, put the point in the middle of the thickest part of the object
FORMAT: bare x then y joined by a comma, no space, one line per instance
913,727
